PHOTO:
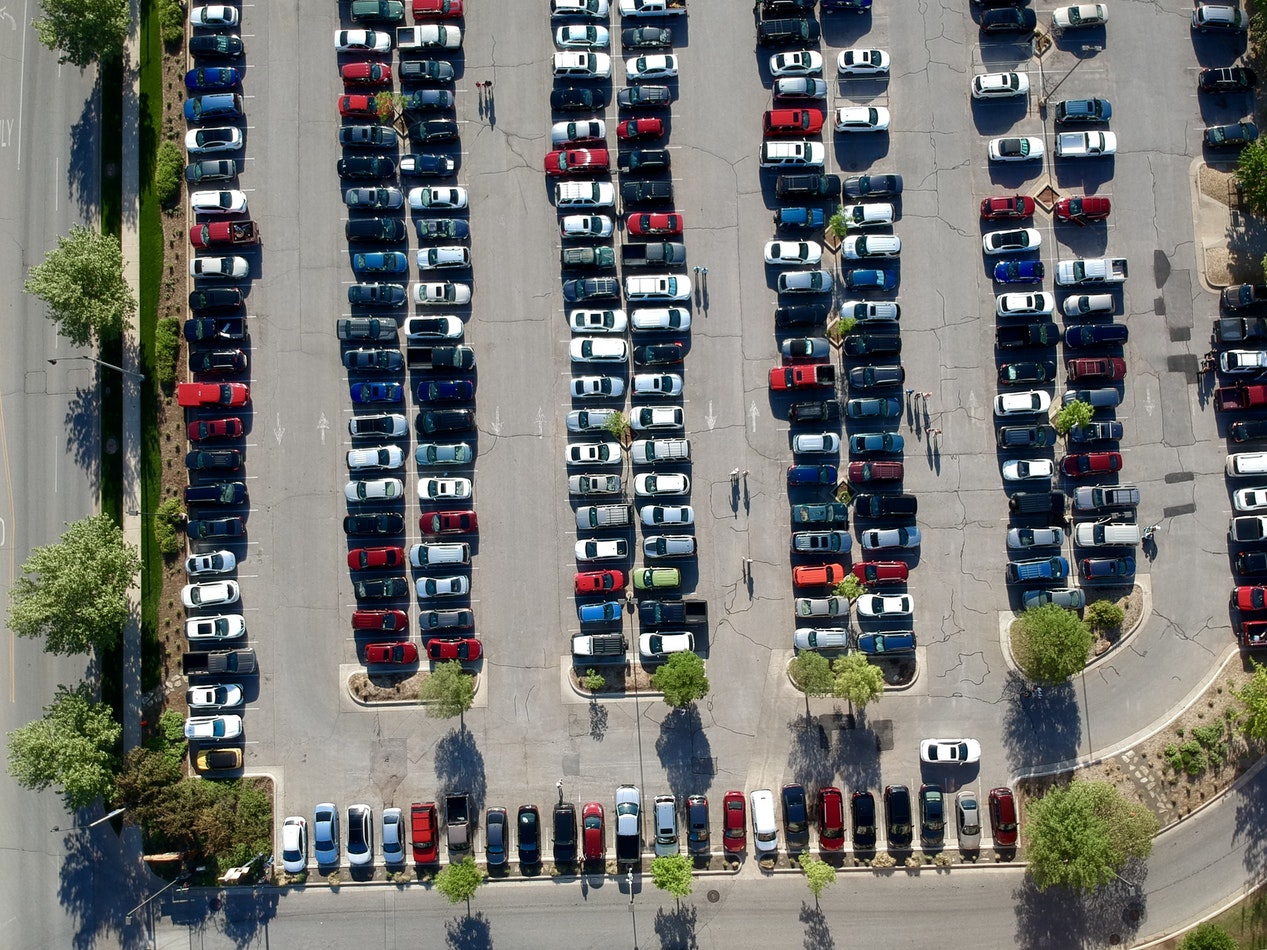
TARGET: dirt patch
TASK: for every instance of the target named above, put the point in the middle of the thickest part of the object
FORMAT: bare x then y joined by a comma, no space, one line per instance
620,679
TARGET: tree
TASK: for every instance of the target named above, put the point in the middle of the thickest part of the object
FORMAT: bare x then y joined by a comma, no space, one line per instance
1080,836
448,691
1251,172
1253,695
142,782
84,31
459,882
1208,936
811,674
837,224
818,873
594,680
850,587
857,680
1050,643
1103,615
617,426
1077,413
74,593
74,745
681,679
672,873
82,282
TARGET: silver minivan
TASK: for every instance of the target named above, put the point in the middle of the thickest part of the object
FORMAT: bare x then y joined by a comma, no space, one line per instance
665,814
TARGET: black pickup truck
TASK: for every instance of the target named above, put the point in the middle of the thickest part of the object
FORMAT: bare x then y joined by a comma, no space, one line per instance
673,612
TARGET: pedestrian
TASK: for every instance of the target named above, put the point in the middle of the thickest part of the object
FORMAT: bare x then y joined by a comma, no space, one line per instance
696,270
927,396
704,271
910,392
488,84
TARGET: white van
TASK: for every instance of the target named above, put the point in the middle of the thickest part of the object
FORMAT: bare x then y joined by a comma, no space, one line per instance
426,555
1092,534
765,833
795,154
584,194
1246,463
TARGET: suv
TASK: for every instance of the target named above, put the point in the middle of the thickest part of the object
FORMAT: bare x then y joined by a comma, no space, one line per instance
795,818
634,192
697,840
885,506
644,97
898,817
1025,437
783,32
665,816
817,186
932,815
564,833
1207,17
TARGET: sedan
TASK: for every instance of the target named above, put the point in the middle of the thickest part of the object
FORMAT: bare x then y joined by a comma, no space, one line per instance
597,387
1020,470
1037,371
1235,135
367,74
444,489
652,484
1020,239
1240,296
448,522
359,41
802,62
871,573
653,516
1015,149
590,420
220,627
632,130
873,186
870,278
380,262
873,442
367,136
455,585
862,62
646,37
1009,19
734,823
1019,272
366,393
950,751
1091,463
206,78
999,85
1007,206
578,130
232,268
211,562
598,321
576,161
793,252
580,36
214,697
1079,15
358,106
599,582
435,453
874,408
885,605
821,607
862,119
594,453
812,475
213,16
875,539
657,384
375,489
1079,209
466,649
325,834
654,224
606,550
365,559
438,198
585,226
209,728
360,835
373,199
656,66
202,429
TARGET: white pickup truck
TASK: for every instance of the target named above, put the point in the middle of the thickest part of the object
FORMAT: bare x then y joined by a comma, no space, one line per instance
429,36
1093,270
1085,144
636,8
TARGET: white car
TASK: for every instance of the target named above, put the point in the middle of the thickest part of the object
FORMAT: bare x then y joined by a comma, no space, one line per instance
594,484
594,9
999,85
229,201
819,443
1023,470
668,319
579,36
669,545
658,287
590,420
438,198
362,41
592,549
214,16
1078,15
1080,304
652,645
455,585
1035,537
394,836
950,751
220,627
219,139
820,638
447,255
1016,305
871,309
445,454
651,418
793,252
444,327
232,268
1243,361
800,87
877,539
210,594
444,489
862,119
653,515
217,696
374,489
1250,499
652,484
862,62
294,845
597,387
206,728
441,292
657,384
586,226
597,321
390,424
968,820
578,130
799,62
577,64
1022,404
886,605
1024,148
805,282
594,453
859,247
598,349
871,215
377,457
211,562
822,606
1013,240
655,66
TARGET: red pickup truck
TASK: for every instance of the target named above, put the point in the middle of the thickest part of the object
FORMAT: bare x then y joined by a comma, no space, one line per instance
212,394
1240,397
804,376
215,233
426,832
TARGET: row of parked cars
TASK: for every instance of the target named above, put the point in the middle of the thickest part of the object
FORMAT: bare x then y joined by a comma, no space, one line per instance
440,364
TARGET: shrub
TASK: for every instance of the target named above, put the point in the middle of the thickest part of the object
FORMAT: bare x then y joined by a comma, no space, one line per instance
594,680
171,18
169,738
1104,615
169,164
1208,736
166,350
167,522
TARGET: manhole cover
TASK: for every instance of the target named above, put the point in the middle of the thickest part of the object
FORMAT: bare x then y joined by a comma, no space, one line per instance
713,897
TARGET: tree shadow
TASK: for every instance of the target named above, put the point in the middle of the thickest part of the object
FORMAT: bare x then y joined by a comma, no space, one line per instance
1251,822
82,421
246,910
598,721
460,766
809,752
78,891
1059,917
83,163
817,932
472,932
1039,731
676,928
857,757
685,752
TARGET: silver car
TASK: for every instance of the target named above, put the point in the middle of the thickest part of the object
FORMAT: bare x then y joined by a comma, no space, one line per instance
820,638
822,606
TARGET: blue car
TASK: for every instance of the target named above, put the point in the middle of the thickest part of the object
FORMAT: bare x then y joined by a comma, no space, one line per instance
1019,272
1096,334
364,393
610,611
812,475
212,77
799,217
381,262
446,390
875,442
218,105
870,278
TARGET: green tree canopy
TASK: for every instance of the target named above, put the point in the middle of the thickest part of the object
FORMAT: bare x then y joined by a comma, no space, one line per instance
1253,696
1077,413
857,680
1207,936
74,593
82,282
1050,643
83,31
1081,835
850,587
448,691
142,783
681,679
1251,170
460,881
74,745
818,873
672,873
811,674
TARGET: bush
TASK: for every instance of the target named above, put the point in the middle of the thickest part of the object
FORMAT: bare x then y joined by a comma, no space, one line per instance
167,522
166,350
1104,615
171,18
1189,757
1208,736
169,738
169,165
594,680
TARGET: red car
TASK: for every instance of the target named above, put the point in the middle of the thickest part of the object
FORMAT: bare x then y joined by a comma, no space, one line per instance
398,653
881,572
437,9
1082,208
1001,207
379,620
861,473
426,832
734,823
1250,598
201,429
467,648
449,522
576,161
1253,634
212,394
1091,463
367,74
818,575
364,559
358,106
1003,817
646,225
593,833
792,121
632,129
599,582
831,819
1100,367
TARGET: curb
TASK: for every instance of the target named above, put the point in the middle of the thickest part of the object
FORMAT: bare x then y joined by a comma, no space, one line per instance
348,670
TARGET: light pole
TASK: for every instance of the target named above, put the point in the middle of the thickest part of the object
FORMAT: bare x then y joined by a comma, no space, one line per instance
140,378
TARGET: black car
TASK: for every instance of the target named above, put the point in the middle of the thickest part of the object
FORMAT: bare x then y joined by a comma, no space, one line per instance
1009,20
528,825
783,32
203,329
862,815
591,288
427,165
1248,431
876,377
1227,79
445,420
218,528
568,98
873,186
871,344
800,315
375,230
376,295
787,6
214,460
216,493
426,100
1096,432
366,136
885,506
221,169
564,836
217,46
697,840
658,354
795,818
440,229
1035,371
813,186
425,70
646,192
643,97
1096,334
1251,562
225,298
361,167
381,588
1018,335
217,361
646,37
495,838
434,130
387,523
932,815
369,359
827,411
1026,437
898,815
644,160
